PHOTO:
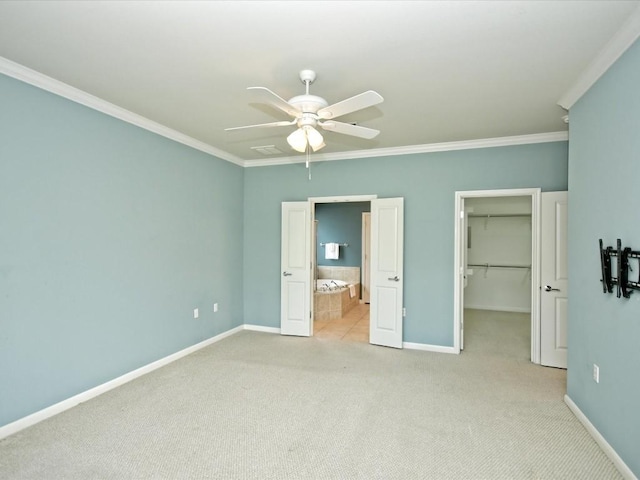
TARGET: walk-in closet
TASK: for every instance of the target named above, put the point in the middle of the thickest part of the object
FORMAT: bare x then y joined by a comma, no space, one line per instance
497,296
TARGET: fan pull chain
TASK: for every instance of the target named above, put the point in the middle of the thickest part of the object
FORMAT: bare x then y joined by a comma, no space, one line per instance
308,153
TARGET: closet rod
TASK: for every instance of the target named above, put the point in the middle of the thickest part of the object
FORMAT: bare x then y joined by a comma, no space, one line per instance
341,244
491,265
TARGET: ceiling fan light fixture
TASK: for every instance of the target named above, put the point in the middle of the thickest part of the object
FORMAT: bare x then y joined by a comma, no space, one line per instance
318,147
309,111
306,136
314,138
298,140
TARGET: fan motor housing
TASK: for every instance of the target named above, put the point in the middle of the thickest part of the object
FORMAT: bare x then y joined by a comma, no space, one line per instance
308,103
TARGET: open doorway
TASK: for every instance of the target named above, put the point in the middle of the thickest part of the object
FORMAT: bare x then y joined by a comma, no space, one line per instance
340,267
497,290
497,269
387,268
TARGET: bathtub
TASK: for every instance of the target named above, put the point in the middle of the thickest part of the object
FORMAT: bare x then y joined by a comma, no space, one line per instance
327,285
331,302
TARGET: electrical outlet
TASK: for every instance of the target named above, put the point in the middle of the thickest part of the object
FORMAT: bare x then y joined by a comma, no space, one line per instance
215,307
196,313
596,373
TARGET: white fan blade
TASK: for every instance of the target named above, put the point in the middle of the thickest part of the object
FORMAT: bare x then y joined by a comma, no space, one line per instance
348,129
272,124
267,96
364,100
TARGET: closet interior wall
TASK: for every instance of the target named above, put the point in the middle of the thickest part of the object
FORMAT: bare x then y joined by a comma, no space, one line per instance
499,254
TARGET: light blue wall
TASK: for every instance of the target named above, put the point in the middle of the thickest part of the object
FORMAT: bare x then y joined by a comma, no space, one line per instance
427,182
109,237
604,176
341,223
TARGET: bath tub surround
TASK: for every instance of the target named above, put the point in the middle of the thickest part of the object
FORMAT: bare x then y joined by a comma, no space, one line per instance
337,292
329,284
334,304
346,274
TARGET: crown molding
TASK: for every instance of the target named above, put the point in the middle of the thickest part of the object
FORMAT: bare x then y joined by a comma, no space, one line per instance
412,149
621,41
37,79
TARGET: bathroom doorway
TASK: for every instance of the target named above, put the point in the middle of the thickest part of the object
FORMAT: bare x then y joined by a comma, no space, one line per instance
339,312
387,267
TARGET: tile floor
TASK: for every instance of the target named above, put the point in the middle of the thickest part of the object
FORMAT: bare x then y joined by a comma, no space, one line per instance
353,327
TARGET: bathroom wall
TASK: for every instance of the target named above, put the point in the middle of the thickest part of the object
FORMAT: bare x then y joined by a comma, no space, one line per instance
346,274
341,223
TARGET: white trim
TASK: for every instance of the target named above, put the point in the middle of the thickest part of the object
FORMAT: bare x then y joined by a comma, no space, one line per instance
260,328
429,348
412,149
57,87
49,84
600,440
458,297
621,41
536,220
82,397
342,199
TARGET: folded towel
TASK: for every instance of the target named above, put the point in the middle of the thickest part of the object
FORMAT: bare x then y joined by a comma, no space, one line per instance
331,251
352,291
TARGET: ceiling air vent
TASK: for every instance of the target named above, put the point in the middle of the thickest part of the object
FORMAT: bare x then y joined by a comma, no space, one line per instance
267,150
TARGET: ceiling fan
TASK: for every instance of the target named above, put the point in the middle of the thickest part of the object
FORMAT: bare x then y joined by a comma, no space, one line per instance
310,112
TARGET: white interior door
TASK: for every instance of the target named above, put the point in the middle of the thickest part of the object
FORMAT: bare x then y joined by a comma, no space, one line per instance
366,256
553,279
466,271
387,237
295,271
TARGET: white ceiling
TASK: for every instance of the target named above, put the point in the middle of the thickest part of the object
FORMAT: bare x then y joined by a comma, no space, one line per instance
448,70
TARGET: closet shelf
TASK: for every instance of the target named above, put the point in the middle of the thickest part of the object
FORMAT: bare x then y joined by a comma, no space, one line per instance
492,265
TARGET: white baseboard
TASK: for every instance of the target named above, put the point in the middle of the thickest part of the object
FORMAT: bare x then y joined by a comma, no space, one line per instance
499,309
259,328
71,402
429,348
604,445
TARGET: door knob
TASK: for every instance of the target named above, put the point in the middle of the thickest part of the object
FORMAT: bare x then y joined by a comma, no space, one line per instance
394,279
286,274
548,288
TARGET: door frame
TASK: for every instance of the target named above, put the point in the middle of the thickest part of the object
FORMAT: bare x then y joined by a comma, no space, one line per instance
458,296
365,273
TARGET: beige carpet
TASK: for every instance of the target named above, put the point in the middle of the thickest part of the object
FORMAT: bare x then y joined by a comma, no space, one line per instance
263,406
